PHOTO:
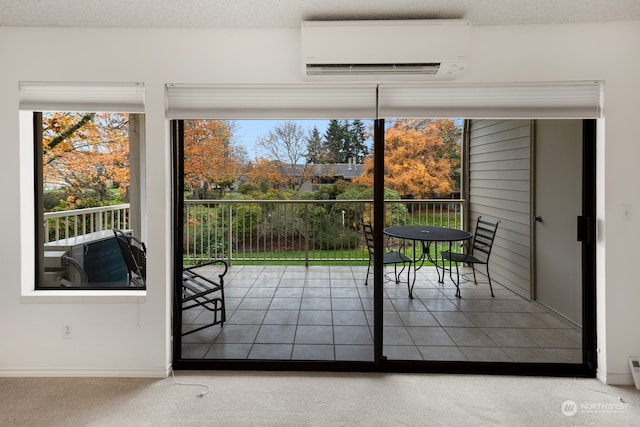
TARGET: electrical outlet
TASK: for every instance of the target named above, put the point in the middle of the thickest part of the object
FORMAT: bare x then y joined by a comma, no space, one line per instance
66,331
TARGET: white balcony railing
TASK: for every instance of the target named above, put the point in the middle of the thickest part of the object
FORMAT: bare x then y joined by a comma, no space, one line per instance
72,223
300,231
285,231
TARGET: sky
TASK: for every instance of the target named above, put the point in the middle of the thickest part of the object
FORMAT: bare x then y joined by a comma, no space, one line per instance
248,131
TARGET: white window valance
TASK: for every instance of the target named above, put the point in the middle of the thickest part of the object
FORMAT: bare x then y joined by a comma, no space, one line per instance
369,101
311,101
82,96
493,101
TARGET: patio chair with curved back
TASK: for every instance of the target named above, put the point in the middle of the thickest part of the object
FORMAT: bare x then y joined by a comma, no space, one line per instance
200,289
134,253
394,257
70,262
482,244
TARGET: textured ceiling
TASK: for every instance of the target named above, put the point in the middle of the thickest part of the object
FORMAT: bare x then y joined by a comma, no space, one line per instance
289,13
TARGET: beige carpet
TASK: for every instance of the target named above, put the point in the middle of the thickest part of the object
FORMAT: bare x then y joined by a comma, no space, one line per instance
310,399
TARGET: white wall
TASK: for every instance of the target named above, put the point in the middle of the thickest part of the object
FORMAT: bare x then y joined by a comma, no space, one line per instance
129,335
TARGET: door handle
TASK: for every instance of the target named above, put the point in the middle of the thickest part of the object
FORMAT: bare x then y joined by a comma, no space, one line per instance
536,219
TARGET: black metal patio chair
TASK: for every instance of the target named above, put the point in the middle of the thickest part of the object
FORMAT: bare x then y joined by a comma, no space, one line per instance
200,289
394,257
482,244
134,253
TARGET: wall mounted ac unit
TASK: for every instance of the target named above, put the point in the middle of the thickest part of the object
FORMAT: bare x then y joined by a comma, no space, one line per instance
385,50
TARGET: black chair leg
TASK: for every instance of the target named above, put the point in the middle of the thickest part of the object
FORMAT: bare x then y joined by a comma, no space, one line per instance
457,282
489,277
366,280
409,284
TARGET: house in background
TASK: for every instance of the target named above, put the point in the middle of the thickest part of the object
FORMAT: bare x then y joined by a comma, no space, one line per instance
125,334
315,176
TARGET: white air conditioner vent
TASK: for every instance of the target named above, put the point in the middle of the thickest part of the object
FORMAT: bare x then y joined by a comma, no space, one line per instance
420,49
364,69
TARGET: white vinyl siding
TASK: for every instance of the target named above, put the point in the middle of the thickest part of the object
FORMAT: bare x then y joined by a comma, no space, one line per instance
499,188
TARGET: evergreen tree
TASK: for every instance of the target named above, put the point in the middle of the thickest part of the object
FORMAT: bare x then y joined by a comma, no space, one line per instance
335,139
346,141
359,146
317,152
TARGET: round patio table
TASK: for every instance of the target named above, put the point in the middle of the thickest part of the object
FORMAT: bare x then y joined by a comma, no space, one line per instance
428,235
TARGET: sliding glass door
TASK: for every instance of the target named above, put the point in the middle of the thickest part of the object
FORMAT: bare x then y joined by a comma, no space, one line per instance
282,198
281,203
523,304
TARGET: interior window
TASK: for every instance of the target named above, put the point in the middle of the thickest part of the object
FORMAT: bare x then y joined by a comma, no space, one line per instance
87,192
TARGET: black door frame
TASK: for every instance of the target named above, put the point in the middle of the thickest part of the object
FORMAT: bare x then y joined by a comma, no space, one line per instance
381,364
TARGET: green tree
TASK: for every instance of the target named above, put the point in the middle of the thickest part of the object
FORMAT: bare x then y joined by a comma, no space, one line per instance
357,134
317,151
335,138
346,141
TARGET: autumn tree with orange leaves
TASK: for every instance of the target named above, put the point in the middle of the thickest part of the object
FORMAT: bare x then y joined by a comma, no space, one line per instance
87,155
422,160
265,174
211,161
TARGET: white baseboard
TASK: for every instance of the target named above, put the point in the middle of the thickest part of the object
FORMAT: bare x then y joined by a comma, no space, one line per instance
98,373
615,379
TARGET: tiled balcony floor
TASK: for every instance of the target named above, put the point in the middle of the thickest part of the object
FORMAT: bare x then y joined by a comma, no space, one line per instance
326,313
